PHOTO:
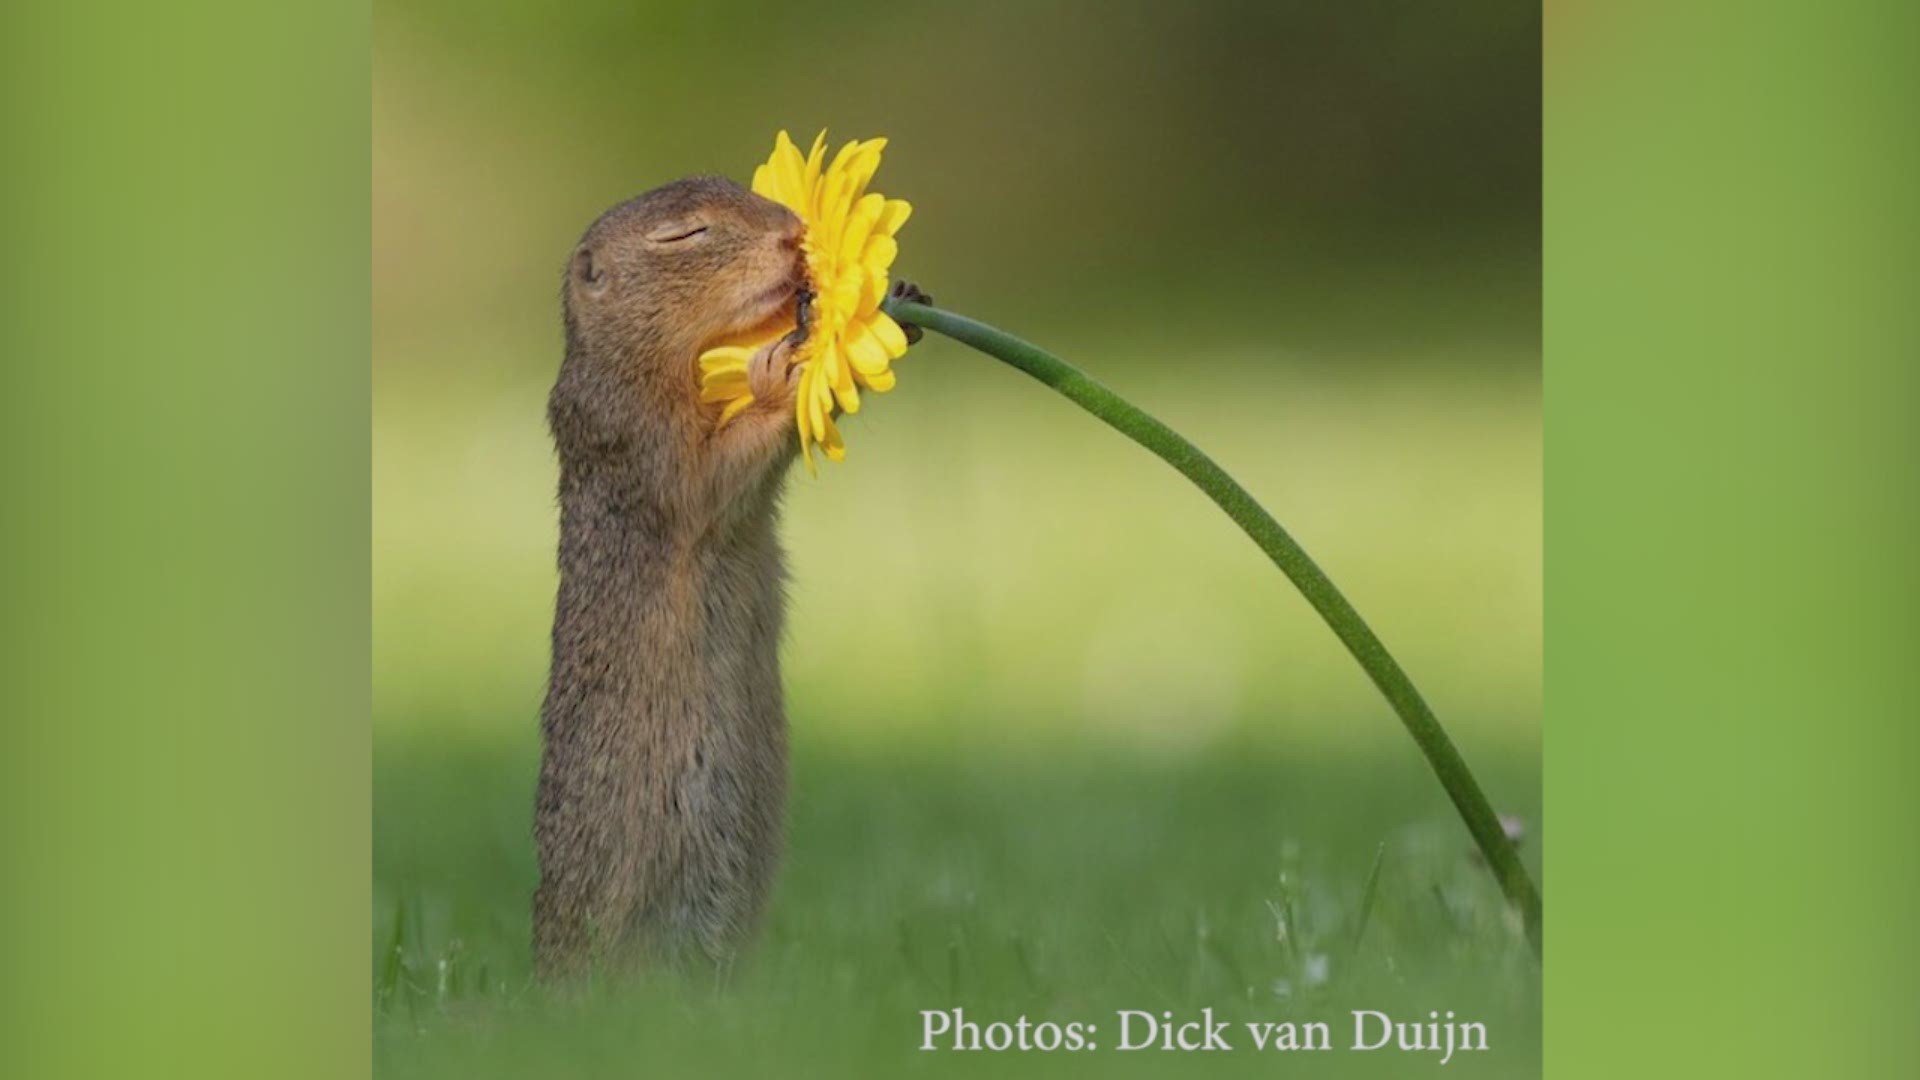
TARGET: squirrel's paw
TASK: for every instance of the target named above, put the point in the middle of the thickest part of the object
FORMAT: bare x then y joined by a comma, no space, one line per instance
771,374
908,291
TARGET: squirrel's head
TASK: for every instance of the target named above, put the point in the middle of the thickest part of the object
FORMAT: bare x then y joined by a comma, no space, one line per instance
675,270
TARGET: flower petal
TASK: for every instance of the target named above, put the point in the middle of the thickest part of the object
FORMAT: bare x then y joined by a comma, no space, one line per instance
880,252
725,358
864,349
783,179
889,333
831,443
873,289
880,381
859,226
735,409
815,157
724,389
844,294
893,215
819,397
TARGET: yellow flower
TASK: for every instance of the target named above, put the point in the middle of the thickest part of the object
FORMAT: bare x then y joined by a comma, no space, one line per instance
849,246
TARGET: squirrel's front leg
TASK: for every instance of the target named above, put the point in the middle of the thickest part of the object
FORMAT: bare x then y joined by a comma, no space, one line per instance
760,439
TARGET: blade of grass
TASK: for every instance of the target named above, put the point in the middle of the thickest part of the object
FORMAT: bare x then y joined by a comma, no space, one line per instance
1368,895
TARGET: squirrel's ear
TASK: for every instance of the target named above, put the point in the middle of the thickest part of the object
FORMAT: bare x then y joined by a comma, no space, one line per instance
586,272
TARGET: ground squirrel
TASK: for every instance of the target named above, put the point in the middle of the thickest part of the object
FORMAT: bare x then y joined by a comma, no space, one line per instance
659,813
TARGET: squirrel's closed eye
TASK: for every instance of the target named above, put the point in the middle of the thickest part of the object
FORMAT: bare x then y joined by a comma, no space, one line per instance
676,232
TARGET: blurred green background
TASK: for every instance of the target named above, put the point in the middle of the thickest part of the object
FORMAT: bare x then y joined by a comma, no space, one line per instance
1064,742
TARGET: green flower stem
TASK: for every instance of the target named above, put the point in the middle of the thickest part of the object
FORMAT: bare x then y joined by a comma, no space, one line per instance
1294,562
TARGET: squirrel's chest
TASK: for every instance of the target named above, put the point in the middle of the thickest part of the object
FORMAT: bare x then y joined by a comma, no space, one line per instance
739,595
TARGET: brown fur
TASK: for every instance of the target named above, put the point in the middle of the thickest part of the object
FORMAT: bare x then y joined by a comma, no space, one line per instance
659,814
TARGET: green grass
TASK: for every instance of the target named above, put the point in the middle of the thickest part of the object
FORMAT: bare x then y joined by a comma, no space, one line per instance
924,876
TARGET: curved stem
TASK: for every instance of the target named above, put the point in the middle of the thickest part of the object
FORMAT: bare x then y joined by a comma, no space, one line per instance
1294,562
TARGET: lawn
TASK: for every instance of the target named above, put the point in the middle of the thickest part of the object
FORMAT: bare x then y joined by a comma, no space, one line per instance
1060,888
